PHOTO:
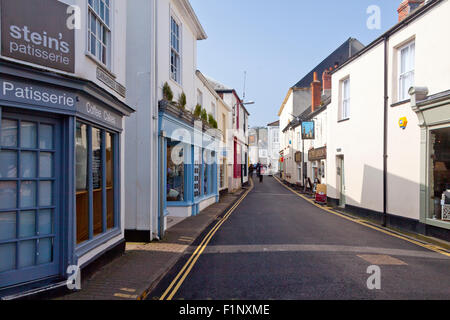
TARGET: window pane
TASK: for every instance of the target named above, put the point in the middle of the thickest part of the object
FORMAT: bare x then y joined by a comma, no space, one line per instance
93,24
110,181
27,224
46,137
7,257
82,202
46,165
7,226
102,10
8,164
45,193
27,194
107,16
45,251
97,180
27,253
28,165
45,222
28,135
8,134
8,194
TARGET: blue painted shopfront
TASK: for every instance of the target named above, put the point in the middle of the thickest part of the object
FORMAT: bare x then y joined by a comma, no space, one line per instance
189,165
59,174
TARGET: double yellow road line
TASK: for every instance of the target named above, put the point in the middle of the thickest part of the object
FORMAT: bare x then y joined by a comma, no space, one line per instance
367,224
181,276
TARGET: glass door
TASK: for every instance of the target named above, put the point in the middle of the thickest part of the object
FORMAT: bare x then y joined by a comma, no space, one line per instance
29,198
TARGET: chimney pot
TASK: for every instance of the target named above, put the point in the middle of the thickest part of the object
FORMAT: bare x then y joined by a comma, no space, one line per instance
407,7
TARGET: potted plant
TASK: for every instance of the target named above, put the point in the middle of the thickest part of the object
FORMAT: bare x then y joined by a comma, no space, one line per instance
198,111
167,92
182,101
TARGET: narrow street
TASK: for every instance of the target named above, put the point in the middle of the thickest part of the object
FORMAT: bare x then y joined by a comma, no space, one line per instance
276,245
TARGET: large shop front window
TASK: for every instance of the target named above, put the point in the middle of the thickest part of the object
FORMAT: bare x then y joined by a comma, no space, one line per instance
175,171
440,174
95,178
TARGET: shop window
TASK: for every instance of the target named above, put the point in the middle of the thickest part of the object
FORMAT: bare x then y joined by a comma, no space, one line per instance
440,174
175,171
95,171
206,173
197,172
28,177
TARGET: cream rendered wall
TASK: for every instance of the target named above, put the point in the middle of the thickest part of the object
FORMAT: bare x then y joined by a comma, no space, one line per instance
289,165
223,112
361,137
208,97
432,70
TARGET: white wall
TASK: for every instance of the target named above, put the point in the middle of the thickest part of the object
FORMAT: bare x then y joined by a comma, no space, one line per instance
361,137
86,67
166,8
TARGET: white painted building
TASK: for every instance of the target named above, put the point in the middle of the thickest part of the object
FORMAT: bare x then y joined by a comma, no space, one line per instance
75,126
162,41
373,117
238,149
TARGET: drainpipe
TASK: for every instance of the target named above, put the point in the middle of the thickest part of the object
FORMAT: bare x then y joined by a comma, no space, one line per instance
385,129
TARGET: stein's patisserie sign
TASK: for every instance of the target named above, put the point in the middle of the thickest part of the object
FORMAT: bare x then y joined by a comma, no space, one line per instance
38,32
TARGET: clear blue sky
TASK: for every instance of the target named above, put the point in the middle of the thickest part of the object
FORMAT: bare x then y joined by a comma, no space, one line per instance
278,42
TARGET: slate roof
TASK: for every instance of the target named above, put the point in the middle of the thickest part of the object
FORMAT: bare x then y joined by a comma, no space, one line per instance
348,49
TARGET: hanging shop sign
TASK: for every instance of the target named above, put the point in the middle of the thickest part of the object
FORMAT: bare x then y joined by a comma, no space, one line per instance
29,35
308,132
317,154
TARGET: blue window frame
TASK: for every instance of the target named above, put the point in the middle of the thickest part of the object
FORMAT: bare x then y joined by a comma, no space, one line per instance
97,184
30,204
176,171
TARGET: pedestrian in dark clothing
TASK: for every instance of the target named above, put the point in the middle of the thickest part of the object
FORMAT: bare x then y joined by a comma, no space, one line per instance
259,172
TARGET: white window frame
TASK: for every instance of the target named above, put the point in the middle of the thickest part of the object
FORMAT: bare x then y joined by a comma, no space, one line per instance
345,99
102,23
406,76
176,51
213,109
200,97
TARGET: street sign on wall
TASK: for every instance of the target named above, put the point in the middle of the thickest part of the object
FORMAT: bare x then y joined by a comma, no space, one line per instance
38,32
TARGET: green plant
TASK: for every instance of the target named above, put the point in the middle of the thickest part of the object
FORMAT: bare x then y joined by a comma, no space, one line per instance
204,115
167,92
210,119
182,101
198,111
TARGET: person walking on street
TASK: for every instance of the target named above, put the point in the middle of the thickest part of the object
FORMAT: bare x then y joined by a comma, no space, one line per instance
259,172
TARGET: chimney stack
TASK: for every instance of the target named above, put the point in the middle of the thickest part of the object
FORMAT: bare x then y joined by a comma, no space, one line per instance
326,81
316,93
407,7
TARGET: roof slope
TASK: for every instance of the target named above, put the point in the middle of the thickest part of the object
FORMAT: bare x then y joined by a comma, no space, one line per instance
348,49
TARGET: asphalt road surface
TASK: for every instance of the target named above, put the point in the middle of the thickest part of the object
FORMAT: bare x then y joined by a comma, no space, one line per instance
276,245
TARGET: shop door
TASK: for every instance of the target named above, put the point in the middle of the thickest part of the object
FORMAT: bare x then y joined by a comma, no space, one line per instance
29,198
